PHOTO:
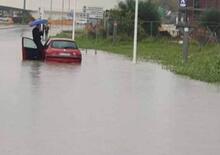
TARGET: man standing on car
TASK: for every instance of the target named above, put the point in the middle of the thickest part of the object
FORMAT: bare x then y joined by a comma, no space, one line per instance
37,39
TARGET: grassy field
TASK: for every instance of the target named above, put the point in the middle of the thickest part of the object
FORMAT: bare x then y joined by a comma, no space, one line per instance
202,65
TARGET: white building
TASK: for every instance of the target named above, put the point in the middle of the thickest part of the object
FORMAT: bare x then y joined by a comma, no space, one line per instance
88,15
95,12
55,15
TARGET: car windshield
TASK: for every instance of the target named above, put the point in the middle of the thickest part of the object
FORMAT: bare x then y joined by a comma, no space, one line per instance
64,45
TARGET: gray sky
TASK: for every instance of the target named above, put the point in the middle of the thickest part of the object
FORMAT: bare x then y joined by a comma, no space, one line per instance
35,4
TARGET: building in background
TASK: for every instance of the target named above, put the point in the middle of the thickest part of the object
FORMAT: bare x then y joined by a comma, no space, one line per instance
6,11
88,15
204,4
94,14
14,15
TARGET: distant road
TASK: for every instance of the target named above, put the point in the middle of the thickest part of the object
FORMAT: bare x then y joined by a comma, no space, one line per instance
12,26
25,30
7,26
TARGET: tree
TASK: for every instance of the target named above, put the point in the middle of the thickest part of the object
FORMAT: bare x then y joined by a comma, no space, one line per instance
148,13
168,4
211,20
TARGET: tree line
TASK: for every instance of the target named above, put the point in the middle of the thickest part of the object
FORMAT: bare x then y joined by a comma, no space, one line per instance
149,18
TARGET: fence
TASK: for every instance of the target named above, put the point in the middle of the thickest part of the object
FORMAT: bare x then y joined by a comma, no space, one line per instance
123,31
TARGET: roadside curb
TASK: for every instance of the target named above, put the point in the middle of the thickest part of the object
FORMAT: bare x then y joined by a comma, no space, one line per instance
10,27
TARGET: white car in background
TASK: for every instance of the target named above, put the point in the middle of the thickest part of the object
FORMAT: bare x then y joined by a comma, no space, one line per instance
81,21
6,20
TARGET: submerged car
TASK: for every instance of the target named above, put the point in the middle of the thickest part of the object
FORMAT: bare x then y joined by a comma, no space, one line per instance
55,49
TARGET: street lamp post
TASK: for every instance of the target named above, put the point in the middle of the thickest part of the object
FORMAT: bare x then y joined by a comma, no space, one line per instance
135,33
23,12
62,13
51,8
24,7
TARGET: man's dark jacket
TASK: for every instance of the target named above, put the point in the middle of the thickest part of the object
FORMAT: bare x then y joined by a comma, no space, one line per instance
37,35
37,39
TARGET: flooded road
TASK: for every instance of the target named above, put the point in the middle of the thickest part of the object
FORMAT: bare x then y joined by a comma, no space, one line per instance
105,106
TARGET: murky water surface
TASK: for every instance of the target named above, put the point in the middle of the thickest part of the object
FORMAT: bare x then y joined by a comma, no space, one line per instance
105,106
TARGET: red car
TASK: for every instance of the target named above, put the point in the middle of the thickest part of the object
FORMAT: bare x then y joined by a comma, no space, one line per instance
55,49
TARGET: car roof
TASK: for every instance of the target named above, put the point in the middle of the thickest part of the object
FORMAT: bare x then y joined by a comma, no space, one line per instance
61,39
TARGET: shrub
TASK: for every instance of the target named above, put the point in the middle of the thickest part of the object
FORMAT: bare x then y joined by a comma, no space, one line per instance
211,20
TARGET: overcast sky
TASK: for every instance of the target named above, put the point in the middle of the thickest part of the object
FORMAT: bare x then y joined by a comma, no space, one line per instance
35,4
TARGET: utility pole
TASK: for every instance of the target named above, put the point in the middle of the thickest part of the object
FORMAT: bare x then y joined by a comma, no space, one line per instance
186,44
135,33
185,38
184,25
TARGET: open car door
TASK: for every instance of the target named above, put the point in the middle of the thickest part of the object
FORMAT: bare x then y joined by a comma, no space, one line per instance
29,49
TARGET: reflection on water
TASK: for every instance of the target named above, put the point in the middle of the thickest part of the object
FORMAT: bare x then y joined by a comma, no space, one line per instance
35,73
41,74
105,106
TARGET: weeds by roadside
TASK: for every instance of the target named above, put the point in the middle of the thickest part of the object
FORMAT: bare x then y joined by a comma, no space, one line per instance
202,65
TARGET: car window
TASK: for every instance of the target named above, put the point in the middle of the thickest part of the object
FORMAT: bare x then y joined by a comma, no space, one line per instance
64,45
29,43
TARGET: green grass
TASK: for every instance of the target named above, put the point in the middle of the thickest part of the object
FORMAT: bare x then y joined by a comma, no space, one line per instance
202,65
